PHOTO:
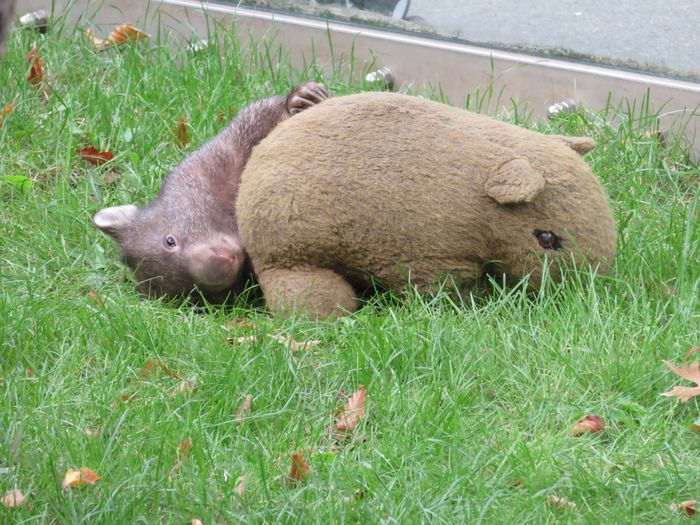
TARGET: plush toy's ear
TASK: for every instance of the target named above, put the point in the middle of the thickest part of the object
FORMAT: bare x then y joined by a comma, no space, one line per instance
115,220
580,145
514,181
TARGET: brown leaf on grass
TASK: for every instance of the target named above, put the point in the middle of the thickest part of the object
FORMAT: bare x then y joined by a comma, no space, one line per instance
221,115
351,413
126,33
98,43
124,398
691,351
5,112
92,432
300,469
195,521
689,372
589,424
183,452
78,478
294,345
185,387
36,70
109,180
93,156
560,503
30,373
242,483
95,298
180,132
688,507
244,409
242,323
120,35
153,366
13,498
241,340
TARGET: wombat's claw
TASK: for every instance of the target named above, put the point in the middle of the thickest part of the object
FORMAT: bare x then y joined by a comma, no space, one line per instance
305,96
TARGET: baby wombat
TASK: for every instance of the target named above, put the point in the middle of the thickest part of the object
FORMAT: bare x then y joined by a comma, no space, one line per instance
186,242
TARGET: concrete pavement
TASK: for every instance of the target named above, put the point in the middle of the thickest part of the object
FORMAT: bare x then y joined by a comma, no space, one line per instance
650,33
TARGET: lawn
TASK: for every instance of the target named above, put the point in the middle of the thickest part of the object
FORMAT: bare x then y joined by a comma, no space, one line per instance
469,406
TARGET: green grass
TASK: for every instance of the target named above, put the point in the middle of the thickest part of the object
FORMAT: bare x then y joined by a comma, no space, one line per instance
463,400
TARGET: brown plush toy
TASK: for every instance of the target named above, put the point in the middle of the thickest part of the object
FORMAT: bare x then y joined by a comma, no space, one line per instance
404,190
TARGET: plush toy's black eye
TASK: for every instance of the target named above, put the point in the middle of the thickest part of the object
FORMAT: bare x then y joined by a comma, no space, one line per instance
170,242
548,240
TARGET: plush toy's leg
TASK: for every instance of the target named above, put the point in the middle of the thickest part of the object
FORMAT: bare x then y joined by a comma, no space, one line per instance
316,292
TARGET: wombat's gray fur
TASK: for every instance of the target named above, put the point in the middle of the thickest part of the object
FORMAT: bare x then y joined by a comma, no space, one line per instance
186,242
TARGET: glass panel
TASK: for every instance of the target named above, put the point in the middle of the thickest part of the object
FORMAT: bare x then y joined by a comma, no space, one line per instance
648,35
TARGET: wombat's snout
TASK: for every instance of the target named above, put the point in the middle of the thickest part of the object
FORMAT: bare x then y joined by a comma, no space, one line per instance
217,266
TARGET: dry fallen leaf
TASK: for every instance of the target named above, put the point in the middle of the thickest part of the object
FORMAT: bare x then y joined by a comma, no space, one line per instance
152,366
688,507
78,478
295,345
92,432
689,372
560,503
98,43
36,71
185,387
13,498
221,115
300,468
351,413
183,451
126,33
195,521
241,340
93,156
589,424
243,324
5,112
127,398
244,410
242,482
95,298
180,132
120,35
691,351
109,180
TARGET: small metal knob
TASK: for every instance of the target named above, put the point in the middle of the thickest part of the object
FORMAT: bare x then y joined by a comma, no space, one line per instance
382,76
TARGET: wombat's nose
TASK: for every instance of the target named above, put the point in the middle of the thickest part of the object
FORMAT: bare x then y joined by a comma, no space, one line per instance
224,263
225,253
216,267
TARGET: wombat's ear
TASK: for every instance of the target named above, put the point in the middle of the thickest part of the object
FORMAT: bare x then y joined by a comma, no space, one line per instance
513,181
580,145
115,220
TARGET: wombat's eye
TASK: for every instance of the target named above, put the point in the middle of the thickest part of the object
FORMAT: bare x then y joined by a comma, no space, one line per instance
548,240
170,241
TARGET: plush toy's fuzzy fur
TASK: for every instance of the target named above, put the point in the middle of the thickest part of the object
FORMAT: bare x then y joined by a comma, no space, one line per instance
402,189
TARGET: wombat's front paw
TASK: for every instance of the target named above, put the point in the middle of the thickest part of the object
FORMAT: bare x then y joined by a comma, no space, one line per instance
305,96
